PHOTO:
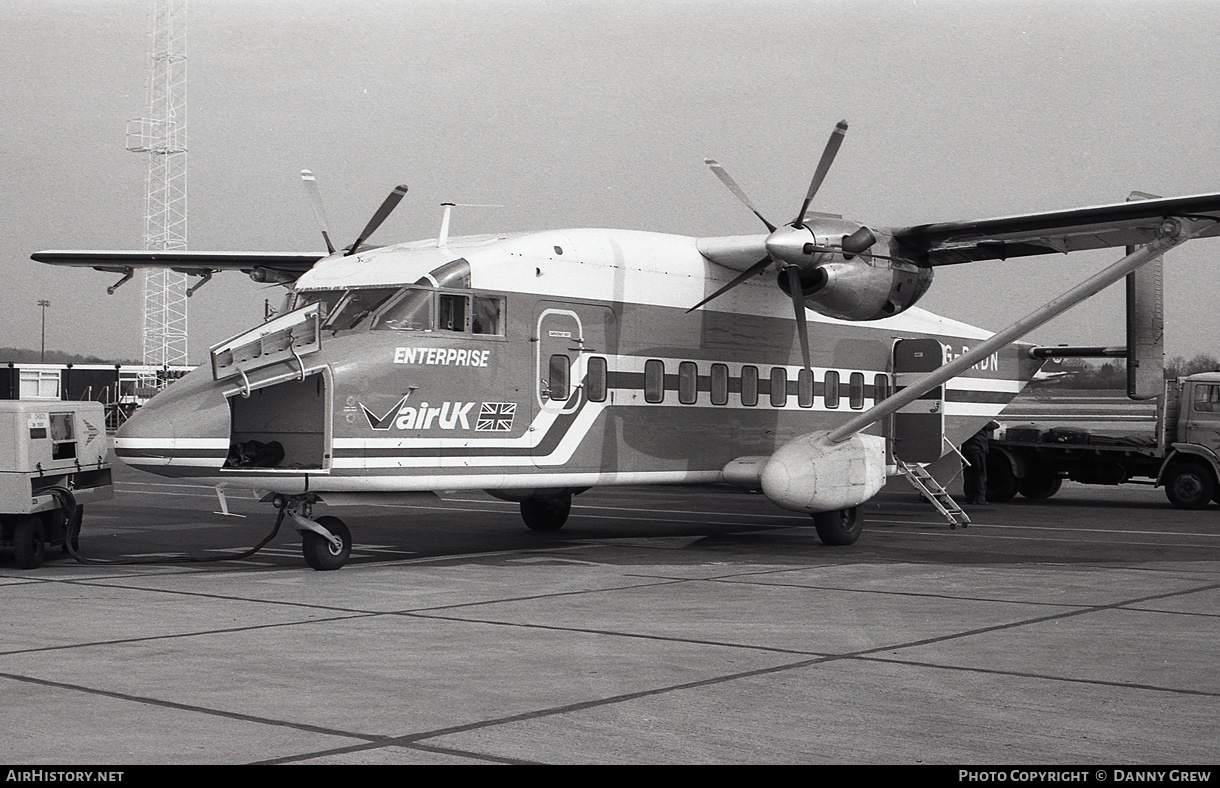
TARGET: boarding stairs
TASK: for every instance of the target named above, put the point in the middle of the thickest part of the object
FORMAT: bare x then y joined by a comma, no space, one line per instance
931,489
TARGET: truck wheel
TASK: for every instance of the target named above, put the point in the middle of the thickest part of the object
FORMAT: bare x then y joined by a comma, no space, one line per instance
1038,487
1189,485
29,544
839,528
1001,481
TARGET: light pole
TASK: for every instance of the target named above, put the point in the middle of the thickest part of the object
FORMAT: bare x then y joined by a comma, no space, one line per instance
44,303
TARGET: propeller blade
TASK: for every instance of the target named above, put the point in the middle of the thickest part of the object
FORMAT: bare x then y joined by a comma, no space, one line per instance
727,180
315,199
753,270
819,175
798,305
387,207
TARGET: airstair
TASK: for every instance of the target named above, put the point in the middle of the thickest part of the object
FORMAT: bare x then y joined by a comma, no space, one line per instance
931,489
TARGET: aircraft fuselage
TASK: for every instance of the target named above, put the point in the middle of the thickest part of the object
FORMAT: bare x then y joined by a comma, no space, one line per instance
553,360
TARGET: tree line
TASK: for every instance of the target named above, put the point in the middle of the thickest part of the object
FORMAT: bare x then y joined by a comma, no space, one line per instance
1112,374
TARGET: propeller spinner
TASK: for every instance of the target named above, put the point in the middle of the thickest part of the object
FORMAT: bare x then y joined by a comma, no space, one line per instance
790,246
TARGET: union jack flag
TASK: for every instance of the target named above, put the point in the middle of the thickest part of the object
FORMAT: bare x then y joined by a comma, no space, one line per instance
496,417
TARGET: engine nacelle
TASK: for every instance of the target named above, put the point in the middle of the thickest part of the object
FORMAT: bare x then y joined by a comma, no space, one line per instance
840,275
811,474
861,288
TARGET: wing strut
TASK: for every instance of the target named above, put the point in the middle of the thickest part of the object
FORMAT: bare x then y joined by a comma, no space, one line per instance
1172,232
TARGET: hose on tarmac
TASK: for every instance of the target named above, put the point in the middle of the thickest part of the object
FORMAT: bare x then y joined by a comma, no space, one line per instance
67,502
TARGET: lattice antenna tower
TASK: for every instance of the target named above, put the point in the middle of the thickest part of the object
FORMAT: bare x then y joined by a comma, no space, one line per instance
162,136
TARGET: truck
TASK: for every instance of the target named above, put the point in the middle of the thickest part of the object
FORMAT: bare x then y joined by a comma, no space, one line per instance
1182,455
54,458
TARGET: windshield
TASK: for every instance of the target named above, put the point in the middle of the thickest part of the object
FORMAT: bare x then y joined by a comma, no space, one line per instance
327,298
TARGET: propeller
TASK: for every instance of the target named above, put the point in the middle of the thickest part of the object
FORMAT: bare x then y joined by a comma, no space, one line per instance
387,207
789,245
315,200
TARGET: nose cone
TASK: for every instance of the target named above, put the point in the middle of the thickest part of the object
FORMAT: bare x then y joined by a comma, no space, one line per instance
787,244
182,430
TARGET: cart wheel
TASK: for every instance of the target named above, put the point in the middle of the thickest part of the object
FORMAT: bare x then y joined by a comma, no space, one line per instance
29,544
320,553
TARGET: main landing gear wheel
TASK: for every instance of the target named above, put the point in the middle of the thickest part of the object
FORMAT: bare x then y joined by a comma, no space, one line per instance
320,552
1189,485
839,528
29,543
546,514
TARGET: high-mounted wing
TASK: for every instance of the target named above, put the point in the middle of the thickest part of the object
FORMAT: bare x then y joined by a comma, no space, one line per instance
1076,229
261,266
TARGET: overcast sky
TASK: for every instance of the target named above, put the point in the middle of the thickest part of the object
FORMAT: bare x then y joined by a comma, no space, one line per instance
599,114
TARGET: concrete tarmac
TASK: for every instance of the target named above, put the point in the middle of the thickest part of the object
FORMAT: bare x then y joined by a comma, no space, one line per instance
661,626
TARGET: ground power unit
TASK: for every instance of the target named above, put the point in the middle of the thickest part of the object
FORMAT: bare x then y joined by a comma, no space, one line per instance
54,458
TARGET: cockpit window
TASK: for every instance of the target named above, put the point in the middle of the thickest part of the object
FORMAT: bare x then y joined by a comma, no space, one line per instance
451,312
356,306
487,316
412,312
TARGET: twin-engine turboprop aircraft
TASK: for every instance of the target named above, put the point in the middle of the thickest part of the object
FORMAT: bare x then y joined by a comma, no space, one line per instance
537,365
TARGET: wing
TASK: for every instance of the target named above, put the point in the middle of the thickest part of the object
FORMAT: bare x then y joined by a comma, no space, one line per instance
262,266
1097,227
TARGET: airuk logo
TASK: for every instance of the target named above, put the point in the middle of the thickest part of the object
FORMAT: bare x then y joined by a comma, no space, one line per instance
493,416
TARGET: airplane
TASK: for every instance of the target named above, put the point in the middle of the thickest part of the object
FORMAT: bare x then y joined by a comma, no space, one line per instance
537,365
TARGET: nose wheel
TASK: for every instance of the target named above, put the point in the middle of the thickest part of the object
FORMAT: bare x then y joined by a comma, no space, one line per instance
323,553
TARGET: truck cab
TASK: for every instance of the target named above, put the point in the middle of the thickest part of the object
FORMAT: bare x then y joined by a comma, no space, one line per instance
1190,430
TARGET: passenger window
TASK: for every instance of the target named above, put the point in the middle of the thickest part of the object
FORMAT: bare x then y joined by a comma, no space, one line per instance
720,384
749,386
654,380
855,390
451,312
557,378
688,382
830,390
779,387
487,316
881,388
804,388
595,379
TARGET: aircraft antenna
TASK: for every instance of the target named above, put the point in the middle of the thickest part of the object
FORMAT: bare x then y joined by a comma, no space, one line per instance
443,238
162,136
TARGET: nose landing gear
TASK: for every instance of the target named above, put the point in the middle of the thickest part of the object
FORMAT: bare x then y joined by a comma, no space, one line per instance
326,541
